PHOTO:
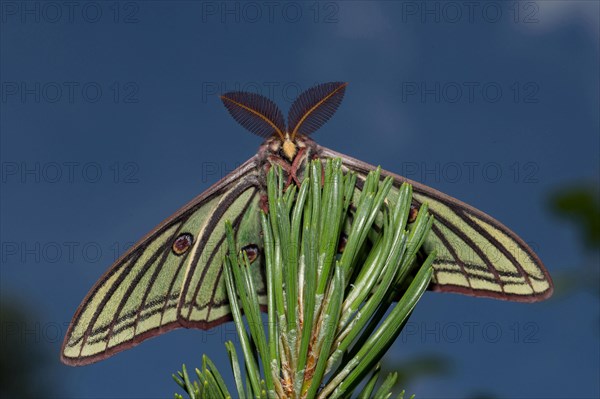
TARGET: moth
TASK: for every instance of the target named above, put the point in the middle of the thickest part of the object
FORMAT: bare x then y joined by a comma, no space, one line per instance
173,277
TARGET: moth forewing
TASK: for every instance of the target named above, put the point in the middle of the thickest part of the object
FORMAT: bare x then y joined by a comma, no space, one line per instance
146,292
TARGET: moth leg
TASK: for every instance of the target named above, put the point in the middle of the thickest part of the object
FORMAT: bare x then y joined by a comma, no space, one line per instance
295,166
284,165
264,203
292,169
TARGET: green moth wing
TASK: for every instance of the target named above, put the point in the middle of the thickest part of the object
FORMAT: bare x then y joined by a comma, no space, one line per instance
476,254
172,277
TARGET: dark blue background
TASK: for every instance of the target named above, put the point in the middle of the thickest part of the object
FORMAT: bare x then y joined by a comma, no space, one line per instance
158,135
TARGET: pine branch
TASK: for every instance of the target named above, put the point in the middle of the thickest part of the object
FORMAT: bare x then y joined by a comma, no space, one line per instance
327,325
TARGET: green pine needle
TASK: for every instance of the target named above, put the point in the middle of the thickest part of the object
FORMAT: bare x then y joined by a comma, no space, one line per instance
327,325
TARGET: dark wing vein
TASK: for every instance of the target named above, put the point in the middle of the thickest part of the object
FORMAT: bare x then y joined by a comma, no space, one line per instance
172,285
134,283
208,230
235,224
436,230
467,240
502,249
157,270
108,295
126,316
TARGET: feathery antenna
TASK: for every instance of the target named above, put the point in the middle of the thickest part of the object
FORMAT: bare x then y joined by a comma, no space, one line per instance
314,107
256,113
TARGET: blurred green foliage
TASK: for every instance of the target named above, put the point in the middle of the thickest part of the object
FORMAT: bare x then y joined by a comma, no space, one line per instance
26,369
580,205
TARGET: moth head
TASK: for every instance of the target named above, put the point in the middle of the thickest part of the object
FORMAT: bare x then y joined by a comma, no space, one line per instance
289,148
308,113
